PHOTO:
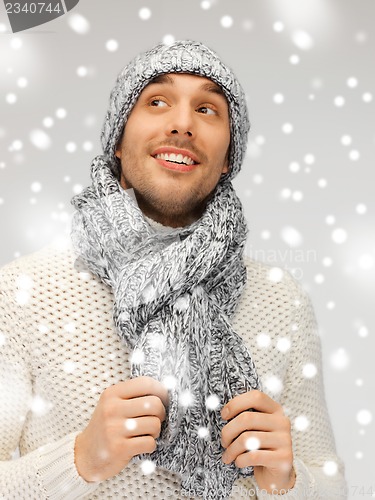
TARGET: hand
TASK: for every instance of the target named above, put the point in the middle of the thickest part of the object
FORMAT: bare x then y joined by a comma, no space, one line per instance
266,432
125,423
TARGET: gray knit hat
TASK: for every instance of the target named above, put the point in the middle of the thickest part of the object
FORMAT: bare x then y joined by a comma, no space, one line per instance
180,57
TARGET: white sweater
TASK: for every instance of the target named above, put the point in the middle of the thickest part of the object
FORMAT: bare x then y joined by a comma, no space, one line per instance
59,350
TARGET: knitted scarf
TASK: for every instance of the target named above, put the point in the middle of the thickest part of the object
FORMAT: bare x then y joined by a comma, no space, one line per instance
173,300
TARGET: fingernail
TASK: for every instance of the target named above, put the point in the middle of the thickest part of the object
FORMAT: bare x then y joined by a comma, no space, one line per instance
224,413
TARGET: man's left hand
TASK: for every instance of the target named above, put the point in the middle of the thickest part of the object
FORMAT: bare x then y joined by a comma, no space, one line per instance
260,438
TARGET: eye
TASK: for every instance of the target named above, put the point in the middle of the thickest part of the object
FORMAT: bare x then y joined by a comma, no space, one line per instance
206,110
157,103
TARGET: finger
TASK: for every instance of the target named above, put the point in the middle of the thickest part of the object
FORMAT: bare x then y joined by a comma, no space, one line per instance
141,386
247,421
253,441
138,445
254,399
265,458
143,406
141,426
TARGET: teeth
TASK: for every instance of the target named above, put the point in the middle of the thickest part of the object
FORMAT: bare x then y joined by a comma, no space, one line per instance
175,158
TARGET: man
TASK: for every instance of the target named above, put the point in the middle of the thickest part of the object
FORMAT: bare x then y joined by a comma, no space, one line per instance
150,361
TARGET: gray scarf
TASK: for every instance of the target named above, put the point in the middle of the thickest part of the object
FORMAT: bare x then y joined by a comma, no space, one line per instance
174,299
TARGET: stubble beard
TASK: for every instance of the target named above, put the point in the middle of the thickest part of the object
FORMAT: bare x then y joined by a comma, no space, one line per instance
174,208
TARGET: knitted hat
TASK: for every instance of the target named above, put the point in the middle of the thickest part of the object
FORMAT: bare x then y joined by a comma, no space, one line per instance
180,57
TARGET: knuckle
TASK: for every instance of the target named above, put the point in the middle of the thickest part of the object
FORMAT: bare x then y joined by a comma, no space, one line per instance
155,404
256,396
148,383
224,438
288,424
244,437
108,409
150,444
156,426
244,418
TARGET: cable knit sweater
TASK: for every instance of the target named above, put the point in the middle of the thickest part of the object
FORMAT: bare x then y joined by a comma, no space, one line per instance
59,351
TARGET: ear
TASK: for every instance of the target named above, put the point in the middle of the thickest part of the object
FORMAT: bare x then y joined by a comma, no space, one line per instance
225,168
118,148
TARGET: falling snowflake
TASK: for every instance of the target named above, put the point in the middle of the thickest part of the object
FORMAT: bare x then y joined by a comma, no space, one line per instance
291,236
366,262
362,332
354,155
70,327
11,98
226,21
24,282
330,468
148,467
16,43
22,82
149,293
301,423
81,71
203,432
287,128
40,139
294,59
302,40
137,357
48,122
169,382
275,274
69,366
340,359
339,236
294,167
339,101
112,45
278,26
212,402
79,24
364,417
274,384
309,370
130,424
283,344
40,406
205,5
168,39
252,443
263,340
144,13
367,97
352,82
61,113
186,399
361,208
71,147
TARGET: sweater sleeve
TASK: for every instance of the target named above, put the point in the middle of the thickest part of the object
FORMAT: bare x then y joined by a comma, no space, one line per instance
319,471
48,471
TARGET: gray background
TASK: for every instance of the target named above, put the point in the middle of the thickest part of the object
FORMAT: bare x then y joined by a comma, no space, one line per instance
302,190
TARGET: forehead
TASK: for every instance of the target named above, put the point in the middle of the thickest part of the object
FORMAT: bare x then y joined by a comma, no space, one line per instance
195,82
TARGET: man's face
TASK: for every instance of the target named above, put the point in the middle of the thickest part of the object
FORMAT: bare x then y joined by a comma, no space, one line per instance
175,147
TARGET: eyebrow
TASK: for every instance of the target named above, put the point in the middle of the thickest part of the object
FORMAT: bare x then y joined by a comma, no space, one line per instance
207,87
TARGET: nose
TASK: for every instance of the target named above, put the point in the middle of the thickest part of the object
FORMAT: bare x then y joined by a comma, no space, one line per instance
181,121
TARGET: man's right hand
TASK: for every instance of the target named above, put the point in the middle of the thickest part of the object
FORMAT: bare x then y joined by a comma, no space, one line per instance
125,423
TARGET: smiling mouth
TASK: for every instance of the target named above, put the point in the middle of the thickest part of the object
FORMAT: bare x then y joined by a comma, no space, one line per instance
178,159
